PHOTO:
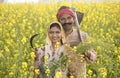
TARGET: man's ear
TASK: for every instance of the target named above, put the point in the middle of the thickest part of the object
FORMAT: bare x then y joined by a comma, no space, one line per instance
79,16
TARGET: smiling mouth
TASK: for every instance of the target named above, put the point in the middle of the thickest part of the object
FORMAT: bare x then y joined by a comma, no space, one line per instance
54,38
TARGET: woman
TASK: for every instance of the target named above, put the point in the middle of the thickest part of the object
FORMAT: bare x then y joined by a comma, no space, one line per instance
50,56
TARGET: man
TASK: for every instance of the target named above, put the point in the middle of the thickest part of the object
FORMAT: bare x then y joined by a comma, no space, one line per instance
67,17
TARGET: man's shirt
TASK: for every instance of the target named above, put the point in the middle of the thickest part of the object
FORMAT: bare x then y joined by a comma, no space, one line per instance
74,39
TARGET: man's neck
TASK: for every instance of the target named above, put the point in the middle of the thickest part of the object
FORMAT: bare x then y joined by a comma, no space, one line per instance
67,32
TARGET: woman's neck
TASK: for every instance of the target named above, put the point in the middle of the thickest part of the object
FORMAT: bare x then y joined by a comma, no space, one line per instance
55,45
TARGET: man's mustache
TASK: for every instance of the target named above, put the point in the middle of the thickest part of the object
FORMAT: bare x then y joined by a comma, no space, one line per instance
67,24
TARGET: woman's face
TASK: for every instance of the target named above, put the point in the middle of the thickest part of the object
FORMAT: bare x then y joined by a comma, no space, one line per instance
55,34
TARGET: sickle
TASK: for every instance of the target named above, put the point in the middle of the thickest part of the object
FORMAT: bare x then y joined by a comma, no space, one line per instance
31,40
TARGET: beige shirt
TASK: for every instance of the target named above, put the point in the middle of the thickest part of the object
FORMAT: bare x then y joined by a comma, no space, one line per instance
47,51
78,65
74,39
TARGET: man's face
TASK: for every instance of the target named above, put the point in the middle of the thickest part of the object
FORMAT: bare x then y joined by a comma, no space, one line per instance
67,21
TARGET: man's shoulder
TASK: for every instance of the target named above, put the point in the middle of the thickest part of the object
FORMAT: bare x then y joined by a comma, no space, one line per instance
83,34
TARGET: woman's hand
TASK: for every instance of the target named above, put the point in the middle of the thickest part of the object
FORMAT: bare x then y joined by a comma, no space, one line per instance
36,60
36,54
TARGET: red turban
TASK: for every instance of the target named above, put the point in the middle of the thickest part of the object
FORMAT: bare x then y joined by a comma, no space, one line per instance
65,11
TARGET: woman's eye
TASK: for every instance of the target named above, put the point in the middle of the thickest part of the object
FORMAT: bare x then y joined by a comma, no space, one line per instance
57,32
51,32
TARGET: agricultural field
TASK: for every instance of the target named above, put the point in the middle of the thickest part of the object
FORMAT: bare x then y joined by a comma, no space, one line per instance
18,22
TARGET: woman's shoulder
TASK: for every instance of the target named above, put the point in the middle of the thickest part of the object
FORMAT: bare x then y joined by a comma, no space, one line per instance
43,48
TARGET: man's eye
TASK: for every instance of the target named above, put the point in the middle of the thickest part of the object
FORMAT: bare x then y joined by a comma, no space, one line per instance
69,18
62,19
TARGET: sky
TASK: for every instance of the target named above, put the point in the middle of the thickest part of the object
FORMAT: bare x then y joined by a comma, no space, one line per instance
21,1
36,1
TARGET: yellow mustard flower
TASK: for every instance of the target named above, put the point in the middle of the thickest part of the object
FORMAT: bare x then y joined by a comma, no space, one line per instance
23,40
74,49
1,55
37,71
32,55
24,65
58,74
6,49
11,73
90,72
72,77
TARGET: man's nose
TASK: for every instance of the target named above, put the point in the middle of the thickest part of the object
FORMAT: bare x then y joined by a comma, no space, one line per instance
66,21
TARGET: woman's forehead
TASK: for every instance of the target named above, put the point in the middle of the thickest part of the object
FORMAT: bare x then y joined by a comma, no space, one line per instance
55,28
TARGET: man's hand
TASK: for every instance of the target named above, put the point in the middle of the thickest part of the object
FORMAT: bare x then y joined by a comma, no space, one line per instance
90,56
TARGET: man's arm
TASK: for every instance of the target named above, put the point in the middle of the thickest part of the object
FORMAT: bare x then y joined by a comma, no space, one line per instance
90,55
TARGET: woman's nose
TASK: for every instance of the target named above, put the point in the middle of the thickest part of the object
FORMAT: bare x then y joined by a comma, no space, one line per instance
54,34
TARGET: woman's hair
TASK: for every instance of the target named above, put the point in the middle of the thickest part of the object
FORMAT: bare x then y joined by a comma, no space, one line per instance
55,25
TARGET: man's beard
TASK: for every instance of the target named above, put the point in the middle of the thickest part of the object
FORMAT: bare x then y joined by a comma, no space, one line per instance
67,26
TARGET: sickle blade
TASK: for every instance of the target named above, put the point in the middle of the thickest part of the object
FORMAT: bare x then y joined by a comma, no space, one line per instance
31,39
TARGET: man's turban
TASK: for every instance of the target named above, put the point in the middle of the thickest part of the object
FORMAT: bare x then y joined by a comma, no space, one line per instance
65,11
